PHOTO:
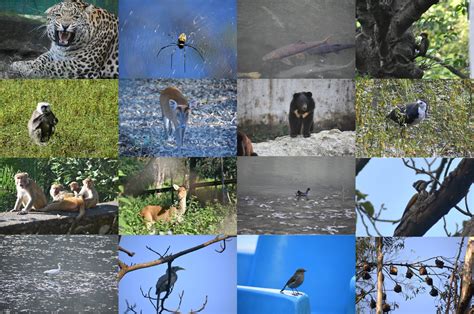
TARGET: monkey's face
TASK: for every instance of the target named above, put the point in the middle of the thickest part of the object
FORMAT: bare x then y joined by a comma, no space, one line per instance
74,186
43,107
88,182
56,188
22,180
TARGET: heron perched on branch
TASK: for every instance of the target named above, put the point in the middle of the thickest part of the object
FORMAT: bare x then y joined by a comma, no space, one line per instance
162,283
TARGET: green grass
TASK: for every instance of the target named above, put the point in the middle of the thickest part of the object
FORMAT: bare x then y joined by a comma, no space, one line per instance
207,219
87,111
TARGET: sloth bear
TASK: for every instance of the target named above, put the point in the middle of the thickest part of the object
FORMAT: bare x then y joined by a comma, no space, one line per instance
301,114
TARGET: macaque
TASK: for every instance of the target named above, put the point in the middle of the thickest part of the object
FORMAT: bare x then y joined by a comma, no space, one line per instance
68,203
75,188
175,112
89,193
58,193
28,194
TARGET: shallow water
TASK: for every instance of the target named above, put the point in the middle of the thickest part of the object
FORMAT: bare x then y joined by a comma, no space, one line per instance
265,25
267,202
86,283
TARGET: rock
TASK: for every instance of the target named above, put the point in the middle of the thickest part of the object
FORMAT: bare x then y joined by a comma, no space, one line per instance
325,143
96,221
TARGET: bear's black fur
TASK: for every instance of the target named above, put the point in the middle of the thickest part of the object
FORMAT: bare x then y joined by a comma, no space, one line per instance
301,114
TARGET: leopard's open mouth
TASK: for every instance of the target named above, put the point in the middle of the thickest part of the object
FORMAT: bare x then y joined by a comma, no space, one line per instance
64,38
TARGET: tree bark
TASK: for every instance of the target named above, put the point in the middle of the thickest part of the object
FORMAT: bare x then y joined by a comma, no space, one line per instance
453,189
379,275
385,44
360,164
467,287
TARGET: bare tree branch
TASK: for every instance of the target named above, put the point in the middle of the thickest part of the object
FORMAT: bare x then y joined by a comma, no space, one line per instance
360,164
125,269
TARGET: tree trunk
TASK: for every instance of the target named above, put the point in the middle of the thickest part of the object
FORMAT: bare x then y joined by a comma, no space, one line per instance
379,275
454,188
154,173
467,287
385,43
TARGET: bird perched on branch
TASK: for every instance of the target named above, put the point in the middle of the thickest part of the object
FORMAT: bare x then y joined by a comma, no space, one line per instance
295,281
422,47
420,187
409,114
162,283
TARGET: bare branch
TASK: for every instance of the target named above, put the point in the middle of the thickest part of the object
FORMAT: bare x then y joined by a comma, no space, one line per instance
202,307
126,251
125,269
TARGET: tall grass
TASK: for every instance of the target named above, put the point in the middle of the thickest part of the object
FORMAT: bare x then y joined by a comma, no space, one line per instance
87,111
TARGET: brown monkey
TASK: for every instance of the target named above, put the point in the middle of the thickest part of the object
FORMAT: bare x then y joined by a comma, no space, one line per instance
28,194
175,112
89,193
152,214
69,204
244,145
57,192
75,188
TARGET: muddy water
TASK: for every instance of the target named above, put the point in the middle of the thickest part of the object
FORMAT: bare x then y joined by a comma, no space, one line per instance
267,201
265,25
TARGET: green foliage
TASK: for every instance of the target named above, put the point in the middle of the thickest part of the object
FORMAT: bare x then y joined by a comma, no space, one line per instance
197,220
446,131
211,167
86,109
102,171
447,26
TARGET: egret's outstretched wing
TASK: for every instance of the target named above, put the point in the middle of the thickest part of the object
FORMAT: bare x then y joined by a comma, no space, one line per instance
173,44
187,45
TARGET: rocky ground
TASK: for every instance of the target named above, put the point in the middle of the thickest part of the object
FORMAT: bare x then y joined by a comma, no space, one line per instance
22,39
325,143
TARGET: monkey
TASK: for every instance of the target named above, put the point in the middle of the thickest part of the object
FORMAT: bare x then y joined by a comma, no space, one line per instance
42,124
175,111
57,192
28,194
244,145
88,193
75,188
67,203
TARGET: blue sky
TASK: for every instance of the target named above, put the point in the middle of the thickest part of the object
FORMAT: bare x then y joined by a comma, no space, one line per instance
207,273
210,26
417,249
388,181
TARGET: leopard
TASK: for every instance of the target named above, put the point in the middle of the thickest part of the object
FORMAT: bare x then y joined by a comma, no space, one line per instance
84,44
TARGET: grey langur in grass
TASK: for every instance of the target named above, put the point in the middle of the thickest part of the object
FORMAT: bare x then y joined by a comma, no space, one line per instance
42,124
